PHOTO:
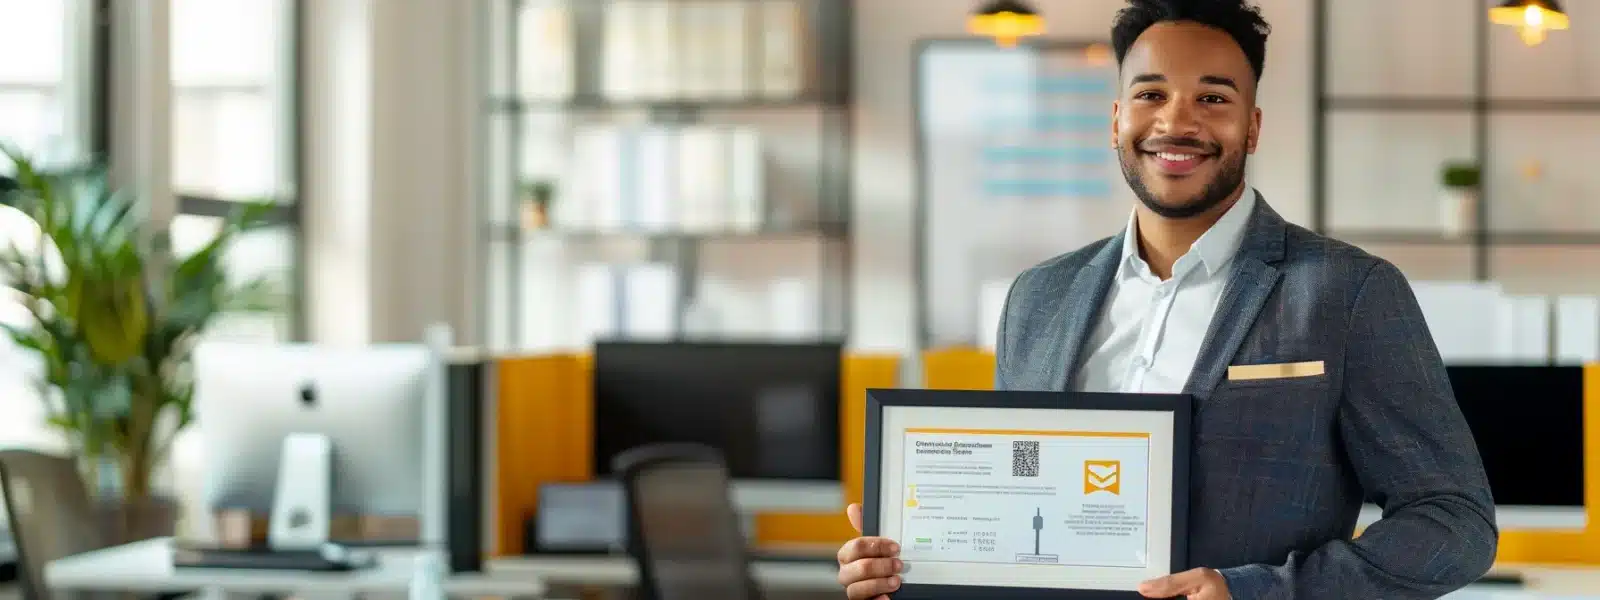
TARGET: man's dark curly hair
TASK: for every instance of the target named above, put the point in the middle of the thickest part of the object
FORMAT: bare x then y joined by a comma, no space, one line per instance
1238,18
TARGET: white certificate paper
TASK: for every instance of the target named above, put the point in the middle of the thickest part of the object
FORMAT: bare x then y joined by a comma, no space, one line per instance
1045,498
1026,497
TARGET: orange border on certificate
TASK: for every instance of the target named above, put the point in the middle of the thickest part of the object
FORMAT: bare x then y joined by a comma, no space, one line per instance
1038,432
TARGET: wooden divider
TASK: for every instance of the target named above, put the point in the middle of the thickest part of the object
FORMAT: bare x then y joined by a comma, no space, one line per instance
545,424
544,409
1581,547
958,369
966,368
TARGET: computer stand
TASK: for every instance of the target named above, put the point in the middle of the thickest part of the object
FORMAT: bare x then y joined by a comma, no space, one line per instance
1502,579
303,500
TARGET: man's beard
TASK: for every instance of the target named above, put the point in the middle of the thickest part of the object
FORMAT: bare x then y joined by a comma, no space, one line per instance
1217,190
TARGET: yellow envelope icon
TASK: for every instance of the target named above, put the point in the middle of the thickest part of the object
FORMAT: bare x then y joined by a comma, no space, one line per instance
1102,476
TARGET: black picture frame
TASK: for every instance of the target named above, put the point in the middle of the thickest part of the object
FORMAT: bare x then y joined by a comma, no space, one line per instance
1180,405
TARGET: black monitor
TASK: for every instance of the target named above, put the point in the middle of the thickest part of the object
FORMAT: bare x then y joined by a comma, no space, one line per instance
772,408
1528,424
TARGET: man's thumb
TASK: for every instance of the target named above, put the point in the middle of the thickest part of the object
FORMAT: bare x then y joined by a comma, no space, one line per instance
854,513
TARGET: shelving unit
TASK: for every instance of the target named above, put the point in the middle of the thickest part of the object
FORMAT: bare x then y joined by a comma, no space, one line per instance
670,129
1481,105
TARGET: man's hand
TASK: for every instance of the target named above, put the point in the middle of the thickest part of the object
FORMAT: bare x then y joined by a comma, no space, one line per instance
1194,584
869,567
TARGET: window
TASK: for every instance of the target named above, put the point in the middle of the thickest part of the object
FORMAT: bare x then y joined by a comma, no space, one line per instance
41,84
234,138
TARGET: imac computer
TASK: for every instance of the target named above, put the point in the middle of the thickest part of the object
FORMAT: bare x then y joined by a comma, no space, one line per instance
306,432
1527,421
771,408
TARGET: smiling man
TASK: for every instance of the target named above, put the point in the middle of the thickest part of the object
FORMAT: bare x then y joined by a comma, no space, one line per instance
1317,383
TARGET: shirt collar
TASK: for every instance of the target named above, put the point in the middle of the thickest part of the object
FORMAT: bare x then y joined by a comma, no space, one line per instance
1215,247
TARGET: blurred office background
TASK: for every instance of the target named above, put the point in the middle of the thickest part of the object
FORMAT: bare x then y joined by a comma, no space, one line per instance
704,193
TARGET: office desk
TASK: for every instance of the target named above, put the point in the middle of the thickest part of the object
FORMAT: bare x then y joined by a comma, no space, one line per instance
572,575
582,575
147,567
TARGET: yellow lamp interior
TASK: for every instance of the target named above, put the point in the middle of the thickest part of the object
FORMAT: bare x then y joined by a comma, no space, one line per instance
1006,27
1531,20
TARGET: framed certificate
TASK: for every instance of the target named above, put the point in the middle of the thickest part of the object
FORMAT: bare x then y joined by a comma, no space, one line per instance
1022,495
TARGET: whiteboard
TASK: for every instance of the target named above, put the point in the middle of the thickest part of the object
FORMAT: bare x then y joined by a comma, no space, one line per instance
1015,165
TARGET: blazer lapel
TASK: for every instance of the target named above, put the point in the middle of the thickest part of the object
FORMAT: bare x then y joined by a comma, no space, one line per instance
1255,274
1086,295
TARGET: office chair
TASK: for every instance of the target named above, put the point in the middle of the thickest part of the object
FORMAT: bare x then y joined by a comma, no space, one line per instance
51,517
683,531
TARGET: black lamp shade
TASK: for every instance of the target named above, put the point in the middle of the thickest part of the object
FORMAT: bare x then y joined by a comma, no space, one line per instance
995,7
1550,5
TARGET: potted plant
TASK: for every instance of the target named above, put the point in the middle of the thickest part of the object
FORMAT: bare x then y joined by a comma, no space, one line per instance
1458,204
115,313
536,198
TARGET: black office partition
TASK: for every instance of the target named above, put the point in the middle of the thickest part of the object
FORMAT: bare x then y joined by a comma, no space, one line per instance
467,381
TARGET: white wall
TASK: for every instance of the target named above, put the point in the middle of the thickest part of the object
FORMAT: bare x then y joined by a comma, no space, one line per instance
390,188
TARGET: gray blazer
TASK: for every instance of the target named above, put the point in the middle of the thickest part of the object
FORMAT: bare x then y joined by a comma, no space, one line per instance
1281,466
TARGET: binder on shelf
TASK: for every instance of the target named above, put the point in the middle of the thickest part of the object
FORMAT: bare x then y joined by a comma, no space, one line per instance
544,50
1524,329
782,68
1577,326
636,300
663,179
793,302
622,54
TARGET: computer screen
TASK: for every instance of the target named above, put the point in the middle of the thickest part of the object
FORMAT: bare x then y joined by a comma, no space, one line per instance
771,408
1528,424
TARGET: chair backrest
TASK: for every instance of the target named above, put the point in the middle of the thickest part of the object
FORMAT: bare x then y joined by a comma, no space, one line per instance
683,530
51,514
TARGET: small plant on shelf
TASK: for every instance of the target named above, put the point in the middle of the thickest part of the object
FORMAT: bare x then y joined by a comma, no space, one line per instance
1458,202
537,194
1461,175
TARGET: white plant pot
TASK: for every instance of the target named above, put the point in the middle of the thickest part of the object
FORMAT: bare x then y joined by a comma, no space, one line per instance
1458,208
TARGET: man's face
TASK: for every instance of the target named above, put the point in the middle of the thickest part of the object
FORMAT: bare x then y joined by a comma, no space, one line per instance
1186,118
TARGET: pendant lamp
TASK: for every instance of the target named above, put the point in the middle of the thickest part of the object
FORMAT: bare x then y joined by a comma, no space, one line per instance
1006,21
1532,18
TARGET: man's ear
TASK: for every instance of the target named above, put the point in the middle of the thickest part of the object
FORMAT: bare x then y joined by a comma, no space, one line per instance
1255,130
1116,128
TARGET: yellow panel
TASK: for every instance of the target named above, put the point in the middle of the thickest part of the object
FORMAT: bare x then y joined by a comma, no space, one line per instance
958,369
861,372
544,423
1569,547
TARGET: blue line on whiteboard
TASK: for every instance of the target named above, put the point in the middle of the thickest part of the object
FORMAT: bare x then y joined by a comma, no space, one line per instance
1047,187
1046,153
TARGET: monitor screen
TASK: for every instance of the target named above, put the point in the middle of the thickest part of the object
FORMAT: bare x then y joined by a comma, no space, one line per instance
1528,424
771,408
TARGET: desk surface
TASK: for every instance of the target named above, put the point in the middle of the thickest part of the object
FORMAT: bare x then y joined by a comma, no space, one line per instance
616,571
147,567
1543,582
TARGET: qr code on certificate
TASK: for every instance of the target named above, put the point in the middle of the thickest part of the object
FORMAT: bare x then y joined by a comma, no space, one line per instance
1025,458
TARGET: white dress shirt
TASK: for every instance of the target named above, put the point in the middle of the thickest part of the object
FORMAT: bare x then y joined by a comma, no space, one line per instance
1149,332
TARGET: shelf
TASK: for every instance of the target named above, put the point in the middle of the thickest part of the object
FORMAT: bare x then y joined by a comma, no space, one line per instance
1464,104
1544,238
596,104
506,232
1402,236
1434,238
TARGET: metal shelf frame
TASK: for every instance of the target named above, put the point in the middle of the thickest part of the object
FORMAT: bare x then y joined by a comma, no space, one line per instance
829,56
1480,105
